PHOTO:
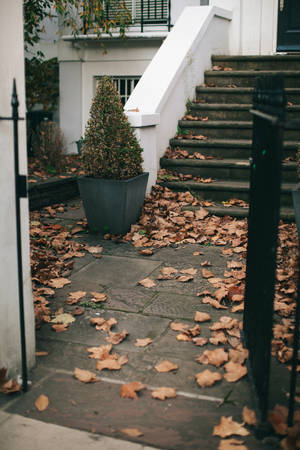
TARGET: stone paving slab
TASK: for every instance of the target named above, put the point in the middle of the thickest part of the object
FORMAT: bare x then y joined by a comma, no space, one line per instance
116,271
180,423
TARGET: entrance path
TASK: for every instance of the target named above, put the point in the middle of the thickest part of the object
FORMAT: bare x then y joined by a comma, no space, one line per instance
184,422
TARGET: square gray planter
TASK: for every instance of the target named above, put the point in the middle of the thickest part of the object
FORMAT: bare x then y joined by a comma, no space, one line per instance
112,206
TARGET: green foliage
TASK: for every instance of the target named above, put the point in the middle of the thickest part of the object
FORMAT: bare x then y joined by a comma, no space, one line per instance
48,146
110,148
42,83
81,16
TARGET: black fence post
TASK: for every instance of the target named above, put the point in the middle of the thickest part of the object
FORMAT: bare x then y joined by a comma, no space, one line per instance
268,116
21,191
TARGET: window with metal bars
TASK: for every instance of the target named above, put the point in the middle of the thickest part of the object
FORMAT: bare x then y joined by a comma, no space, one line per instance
146,11
124,85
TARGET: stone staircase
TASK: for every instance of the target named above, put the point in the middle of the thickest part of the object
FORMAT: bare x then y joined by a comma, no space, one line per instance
214,137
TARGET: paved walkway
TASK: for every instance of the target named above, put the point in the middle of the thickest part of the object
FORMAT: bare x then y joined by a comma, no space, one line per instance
184,422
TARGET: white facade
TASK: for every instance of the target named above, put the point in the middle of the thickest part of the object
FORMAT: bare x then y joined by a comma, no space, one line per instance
83,60
12,66
253,29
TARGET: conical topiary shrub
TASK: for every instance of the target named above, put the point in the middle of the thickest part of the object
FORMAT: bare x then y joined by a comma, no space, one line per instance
114,187
110,149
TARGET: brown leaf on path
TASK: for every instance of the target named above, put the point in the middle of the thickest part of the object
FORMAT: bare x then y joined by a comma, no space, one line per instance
147,283
220,293
183,337
217,338
165,366
213,302
94,249
207,273
167,273
190,271
231,444
97,321
225,323
201,213
85,376
130,390
64,318
278,418
205,264
200,341
194,331
10,386
201,316
214,357
228,427
45,291
41,354
143,342
249,416
78,311
58,283
112,364
146,252
235,371
132,432
184,278
235,332
102,352
238,308
207,378
238,355
42,403
197,253
227,251
106,325
116,338
60,327
178,326
98,297
163,392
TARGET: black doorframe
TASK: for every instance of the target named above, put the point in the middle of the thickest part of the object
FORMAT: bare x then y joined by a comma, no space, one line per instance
288,26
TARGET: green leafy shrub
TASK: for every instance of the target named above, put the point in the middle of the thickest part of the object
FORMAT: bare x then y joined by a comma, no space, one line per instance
110,148
49,145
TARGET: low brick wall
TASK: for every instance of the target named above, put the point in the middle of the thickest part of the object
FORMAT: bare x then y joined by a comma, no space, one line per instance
56,190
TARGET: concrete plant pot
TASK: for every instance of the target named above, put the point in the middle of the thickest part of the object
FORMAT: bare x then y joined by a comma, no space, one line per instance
112,206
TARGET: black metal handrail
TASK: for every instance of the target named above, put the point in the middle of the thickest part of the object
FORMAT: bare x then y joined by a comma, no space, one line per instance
143,13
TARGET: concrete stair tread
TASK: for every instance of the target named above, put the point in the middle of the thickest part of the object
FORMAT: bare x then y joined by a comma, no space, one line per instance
255,57
233,106
235,211
251,73
216,123
213,142
219,185
238,90
226,162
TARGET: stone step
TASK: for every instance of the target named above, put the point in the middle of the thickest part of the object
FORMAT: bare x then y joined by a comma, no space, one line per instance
232,111
225,128
258,62
219,191
226,148
223,169
246,78
286,214
237,95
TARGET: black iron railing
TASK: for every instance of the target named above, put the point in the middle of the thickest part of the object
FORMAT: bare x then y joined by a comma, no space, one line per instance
20,192
268,126
143,13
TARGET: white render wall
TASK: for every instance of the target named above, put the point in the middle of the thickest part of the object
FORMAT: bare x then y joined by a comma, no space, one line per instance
160,97
80,63
253,29
12,66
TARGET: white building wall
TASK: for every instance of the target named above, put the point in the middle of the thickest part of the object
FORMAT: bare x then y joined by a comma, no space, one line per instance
253,29
81,63
12,66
